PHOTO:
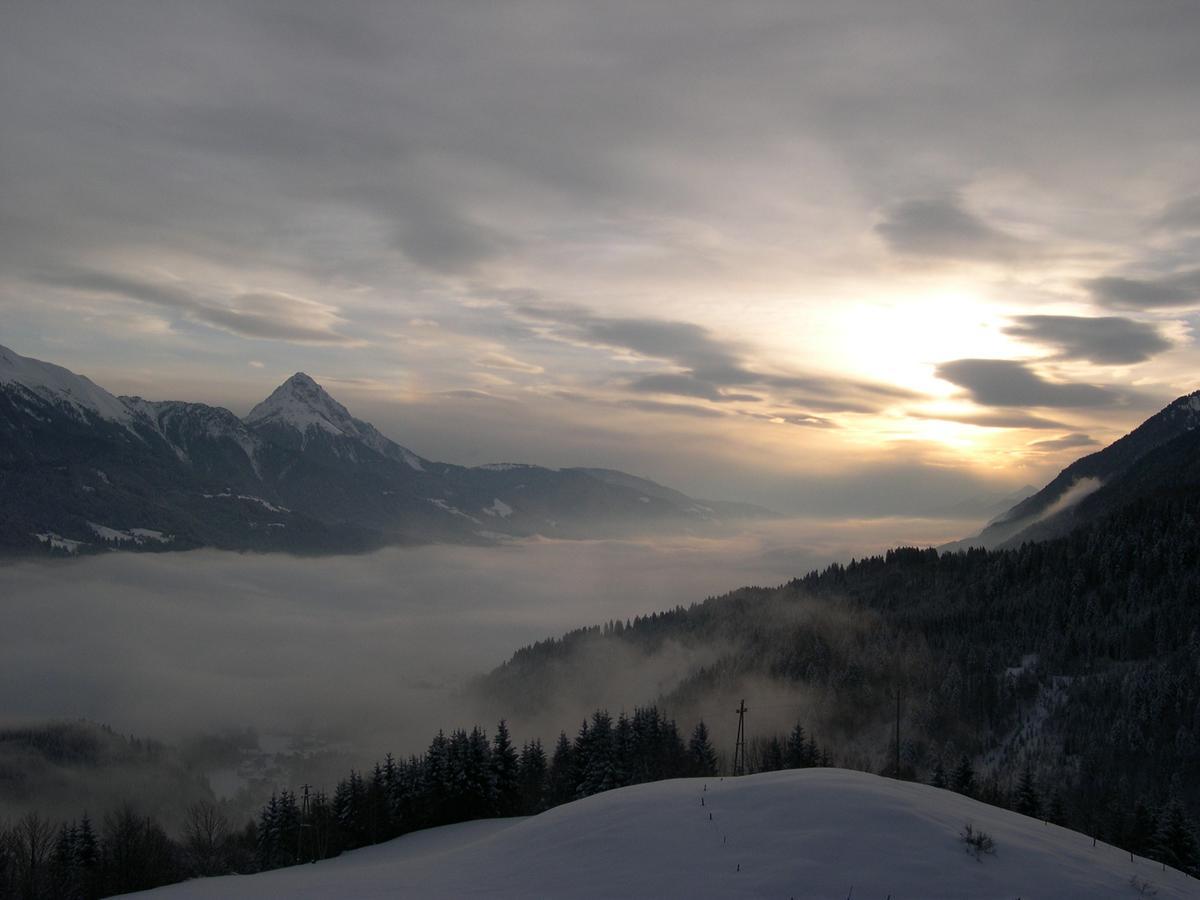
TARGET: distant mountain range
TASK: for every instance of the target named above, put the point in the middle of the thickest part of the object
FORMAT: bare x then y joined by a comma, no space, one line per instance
82,470
1161,453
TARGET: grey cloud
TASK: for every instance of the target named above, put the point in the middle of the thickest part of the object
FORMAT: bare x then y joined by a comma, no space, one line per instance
991,420
686,386
264,314
1067,442
804,420
138,116
395,145
830,394
674,409
943,227
1182,215
824,384
651,406
1002,382
835,405
507,363
469,394
434,234
684,343
713,365
1103,339
1181,289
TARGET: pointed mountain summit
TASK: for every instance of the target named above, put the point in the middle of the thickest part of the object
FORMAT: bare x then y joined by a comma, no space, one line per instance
301,405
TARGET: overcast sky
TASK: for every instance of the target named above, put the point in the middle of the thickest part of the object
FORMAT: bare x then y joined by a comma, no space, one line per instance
836,257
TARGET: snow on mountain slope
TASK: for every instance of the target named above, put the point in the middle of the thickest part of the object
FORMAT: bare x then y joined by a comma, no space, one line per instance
1045,514
302,404
181,424
55,384
810,833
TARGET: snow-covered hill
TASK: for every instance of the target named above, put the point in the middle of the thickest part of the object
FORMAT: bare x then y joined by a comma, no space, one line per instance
810,833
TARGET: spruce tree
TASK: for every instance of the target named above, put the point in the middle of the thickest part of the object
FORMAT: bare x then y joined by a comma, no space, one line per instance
561,787
600,770
437,776
533,778
796,753
1176,842
267,835
963,780
1027,800
702,759
1143,831
505,773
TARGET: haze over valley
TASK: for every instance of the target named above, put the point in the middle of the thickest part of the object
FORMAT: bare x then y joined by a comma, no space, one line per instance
549,448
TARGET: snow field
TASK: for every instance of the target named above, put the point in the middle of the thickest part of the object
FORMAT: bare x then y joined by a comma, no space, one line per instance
810,833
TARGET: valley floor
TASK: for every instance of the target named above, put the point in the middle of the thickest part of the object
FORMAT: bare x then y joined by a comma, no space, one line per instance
809,833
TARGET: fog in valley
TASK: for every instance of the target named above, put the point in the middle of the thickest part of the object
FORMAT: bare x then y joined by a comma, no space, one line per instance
366,654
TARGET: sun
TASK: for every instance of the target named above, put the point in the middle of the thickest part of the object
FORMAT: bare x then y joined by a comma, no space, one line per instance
899,339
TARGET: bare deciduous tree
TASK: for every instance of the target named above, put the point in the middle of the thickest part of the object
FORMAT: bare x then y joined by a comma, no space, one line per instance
206,838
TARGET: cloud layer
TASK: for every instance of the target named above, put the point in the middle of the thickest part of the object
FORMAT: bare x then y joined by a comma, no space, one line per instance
650,226
1101,339
371,649
1002,382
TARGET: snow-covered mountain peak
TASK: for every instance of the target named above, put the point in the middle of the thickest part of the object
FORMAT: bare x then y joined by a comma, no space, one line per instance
55,384
301,403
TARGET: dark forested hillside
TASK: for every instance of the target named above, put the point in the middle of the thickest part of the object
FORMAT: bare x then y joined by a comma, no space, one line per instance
1078,659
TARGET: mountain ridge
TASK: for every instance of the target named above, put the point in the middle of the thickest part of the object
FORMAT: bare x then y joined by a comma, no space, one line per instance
1090,485
299,472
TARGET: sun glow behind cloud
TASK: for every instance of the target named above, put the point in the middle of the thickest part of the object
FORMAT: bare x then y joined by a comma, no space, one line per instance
829,241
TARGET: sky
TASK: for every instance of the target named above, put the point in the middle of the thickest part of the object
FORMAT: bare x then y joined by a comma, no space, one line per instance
841,258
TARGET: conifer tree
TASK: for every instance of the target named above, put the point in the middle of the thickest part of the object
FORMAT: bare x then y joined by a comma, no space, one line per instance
1176,842
533,776
1027,800
963,780
1143,831
561,788
438,788
623,764
600,769
702,759
505,773
796,753
267,834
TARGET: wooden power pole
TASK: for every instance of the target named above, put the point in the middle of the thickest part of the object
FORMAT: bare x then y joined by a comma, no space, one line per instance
739,749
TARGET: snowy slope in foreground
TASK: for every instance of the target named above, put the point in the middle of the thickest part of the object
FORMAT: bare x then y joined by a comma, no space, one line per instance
807,833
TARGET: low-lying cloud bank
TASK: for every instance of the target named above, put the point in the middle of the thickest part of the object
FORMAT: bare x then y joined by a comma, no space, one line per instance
367,650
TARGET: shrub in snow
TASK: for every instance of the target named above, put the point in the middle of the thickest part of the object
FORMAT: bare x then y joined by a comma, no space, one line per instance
1143,886
978,842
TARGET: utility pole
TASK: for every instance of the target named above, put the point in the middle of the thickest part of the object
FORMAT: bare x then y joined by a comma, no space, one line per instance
739,749
304,823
